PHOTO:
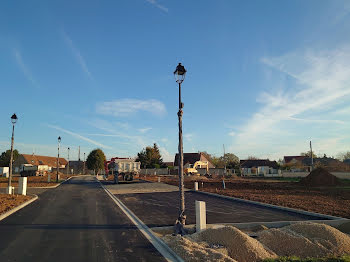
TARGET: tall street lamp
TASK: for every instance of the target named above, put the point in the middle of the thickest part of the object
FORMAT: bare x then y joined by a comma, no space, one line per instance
14,121
84,165
58,157
68,163
180,73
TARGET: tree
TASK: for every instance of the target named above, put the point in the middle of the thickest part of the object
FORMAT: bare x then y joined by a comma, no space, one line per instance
231,160
95,160
6,156
308,154
344,155
150,157
252,158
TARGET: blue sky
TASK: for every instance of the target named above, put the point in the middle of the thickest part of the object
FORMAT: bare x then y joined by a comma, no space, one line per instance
264,77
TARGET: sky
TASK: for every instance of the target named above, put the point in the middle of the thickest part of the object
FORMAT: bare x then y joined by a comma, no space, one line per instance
263,77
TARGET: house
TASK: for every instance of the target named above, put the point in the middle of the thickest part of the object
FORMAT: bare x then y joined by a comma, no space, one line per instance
296,163
191,158
44,163
258,167
4,171
293,159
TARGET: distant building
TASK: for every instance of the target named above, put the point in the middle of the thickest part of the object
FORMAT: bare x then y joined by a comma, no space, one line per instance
191,158
293,159
42,162
258,167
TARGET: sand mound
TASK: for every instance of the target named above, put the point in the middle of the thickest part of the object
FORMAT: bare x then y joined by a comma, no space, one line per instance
306,240
239,245
191,251
320,177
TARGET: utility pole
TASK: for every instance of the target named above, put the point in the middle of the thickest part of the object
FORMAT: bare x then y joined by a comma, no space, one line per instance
224,159
312,157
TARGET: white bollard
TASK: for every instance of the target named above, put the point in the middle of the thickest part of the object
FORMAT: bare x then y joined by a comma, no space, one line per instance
158,179
48,178
10,190
195,186
22,186
201,217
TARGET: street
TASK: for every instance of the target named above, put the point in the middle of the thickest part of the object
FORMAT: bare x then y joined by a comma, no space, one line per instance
77,221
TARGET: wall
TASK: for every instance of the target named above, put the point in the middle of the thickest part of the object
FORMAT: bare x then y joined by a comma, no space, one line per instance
154,171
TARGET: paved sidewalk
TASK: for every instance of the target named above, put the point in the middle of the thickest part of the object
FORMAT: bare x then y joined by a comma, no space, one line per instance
77,221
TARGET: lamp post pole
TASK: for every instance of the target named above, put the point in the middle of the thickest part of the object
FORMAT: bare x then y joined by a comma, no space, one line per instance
68,163
58,158
84,165
13,120
179,74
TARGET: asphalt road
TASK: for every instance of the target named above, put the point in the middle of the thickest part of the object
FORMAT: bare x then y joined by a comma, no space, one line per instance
77,221
161,208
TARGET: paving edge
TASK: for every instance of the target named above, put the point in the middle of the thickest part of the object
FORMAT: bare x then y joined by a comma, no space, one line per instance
159,244
13,210
48,187
293,210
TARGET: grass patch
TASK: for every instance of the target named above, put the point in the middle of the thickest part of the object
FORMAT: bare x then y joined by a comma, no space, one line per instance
296,259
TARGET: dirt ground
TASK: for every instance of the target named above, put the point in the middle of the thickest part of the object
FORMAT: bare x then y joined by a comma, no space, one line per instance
34,181
8,202
326,200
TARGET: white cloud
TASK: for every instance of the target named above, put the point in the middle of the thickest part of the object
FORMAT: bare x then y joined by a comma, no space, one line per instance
321,83
127,106
144,130
80,137
156,4
188,137
80,59
231,133
24,68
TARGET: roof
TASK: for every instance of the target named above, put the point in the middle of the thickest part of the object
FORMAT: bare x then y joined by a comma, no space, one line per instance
258,162
287,159
43,160
169,163
323,160
191,158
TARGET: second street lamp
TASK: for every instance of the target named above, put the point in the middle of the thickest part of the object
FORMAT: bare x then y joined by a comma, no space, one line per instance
58,158
14,121
180,73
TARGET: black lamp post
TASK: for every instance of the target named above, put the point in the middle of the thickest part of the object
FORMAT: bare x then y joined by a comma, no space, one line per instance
58,158
14,121
68,162
180,73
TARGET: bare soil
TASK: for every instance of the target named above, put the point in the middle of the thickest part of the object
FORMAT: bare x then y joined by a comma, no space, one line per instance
34,181
8,202
330,200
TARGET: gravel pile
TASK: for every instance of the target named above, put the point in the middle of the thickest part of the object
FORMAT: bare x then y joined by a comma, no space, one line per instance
191,251
306,240
239,245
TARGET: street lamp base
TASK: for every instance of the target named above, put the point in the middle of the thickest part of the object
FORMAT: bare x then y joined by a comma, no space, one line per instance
179,226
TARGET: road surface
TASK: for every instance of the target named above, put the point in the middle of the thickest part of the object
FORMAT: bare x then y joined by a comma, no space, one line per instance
77,221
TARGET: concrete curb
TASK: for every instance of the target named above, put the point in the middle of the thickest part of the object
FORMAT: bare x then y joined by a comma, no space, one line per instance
159,244
288,209
10,212
48,187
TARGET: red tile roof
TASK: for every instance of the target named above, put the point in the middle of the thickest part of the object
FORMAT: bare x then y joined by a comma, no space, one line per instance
43,160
